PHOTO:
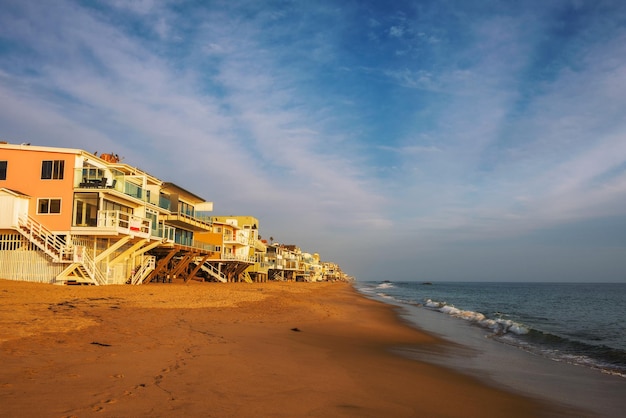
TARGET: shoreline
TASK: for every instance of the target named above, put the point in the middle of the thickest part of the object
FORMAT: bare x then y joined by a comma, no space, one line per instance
503,364
276,349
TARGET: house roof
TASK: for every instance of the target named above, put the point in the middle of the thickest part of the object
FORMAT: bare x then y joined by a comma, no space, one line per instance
173,188
29,147
15,193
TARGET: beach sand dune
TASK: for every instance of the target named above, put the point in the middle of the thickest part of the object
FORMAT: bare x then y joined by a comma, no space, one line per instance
224,350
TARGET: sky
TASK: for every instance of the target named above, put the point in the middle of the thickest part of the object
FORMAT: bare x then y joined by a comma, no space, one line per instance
405,140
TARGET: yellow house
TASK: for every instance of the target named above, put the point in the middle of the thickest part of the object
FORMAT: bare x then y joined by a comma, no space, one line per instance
235,236
242,242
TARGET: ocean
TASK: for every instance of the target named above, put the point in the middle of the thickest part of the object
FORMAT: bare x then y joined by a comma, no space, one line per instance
565,342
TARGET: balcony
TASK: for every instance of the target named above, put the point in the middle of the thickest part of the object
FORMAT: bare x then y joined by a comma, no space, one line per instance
99,178
239,239
237,257
185,221
115,221
164,202
191,244
203,246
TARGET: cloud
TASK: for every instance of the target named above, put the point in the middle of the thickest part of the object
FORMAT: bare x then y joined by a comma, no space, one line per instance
553,153
410,149
396,31
255,139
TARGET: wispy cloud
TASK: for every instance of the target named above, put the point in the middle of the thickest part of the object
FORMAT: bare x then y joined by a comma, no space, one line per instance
507,171
256,137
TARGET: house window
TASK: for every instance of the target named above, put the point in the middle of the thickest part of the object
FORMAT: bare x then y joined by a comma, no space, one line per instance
48,206
183,237
52,169
153,216
86,209
108,205
185,209
3,170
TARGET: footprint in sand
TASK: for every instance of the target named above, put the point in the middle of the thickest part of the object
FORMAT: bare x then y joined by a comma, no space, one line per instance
131,392
99,406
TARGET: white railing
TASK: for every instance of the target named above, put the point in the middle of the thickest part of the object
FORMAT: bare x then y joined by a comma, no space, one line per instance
142,272
237,257
44,239
214,272
238,239
90,266
125,223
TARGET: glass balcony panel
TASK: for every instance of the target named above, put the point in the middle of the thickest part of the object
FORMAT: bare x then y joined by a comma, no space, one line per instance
133,190
164,202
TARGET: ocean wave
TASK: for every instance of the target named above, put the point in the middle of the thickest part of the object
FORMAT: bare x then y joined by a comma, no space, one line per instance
385,285
557,348
499,326
563,349
372,287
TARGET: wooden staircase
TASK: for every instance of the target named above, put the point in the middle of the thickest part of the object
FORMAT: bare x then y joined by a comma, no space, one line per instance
214,272
52,244
81,270
245,277
85,272
75,273
144,270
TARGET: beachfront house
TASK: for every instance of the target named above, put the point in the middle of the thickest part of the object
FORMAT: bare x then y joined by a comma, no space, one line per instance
70,216
231,250
245,245
288,262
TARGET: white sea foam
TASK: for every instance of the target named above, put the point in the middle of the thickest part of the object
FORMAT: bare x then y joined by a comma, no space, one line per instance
385,285
498,326
430,304
367,289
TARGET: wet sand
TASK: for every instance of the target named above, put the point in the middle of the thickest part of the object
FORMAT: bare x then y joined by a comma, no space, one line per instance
224,350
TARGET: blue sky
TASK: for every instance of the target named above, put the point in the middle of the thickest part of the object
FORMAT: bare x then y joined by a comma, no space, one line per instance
405,140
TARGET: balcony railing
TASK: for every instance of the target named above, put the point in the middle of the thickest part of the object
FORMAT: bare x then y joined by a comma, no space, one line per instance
133,190
238,257
239,239
181,219
124,223
100,178
164,202
203,246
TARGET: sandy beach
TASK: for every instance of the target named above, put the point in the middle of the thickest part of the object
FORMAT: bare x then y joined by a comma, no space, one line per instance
224,350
